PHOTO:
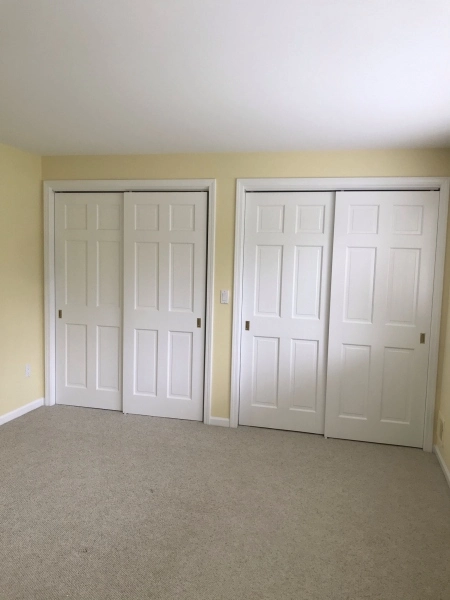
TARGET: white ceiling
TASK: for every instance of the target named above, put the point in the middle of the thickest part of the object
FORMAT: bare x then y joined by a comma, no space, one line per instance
147,76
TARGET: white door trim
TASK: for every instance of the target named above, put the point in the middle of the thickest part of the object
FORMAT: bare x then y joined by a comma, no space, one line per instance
22,410
337,184
177,185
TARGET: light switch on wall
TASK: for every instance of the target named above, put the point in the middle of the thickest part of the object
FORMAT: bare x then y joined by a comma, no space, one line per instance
224,296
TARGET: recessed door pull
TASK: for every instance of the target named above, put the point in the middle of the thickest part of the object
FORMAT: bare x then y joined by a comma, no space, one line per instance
60,314
199,322
422,338
247,325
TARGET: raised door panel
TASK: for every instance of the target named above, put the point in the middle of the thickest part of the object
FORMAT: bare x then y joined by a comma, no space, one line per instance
147,275
355,378
304,374
145,362
408,220
403,286
180,365
360,283
310,219
108,273
181,286
363,219
265,371
109,351
398,384
109,217
76,355
268,280
76,272
76,217
182,217
146,217
270,219
308,282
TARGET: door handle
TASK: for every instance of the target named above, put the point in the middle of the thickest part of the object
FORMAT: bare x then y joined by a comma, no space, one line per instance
199,322
422,338
60,314
247,325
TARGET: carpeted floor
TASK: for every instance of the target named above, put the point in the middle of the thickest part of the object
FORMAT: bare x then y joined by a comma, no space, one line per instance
101,506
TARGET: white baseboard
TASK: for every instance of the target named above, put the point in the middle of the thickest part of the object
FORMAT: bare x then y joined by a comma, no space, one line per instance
219,421
442,463
23,410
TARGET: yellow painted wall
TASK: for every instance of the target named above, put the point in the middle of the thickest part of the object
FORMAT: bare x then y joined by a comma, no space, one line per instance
21,279
226,168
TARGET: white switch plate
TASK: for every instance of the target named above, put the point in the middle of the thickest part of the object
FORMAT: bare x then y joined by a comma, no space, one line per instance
224,296
27,370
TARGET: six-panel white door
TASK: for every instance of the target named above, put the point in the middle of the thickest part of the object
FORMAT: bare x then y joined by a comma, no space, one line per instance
88,281
381,302
164,303
287,253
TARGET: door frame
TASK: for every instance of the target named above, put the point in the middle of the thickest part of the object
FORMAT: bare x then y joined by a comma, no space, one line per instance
125,185
441,184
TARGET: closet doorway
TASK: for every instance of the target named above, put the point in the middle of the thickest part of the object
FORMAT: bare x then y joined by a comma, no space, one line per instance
337,299
129,296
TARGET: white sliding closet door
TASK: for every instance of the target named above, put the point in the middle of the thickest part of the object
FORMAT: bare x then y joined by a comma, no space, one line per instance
164,303
88,274
381,301
287,252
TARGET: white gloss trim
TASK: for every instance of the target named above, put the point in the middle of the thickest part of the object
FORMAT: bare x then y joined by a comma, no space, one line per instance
219,421
22,410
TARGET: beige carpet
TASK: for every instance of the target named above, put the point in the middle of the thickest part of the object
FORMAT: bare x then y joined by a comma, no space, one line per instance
97,505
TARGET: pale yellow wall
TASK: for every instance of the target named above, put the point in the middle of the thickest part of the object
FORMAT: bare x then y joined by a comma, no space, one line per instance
226,168
21,279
